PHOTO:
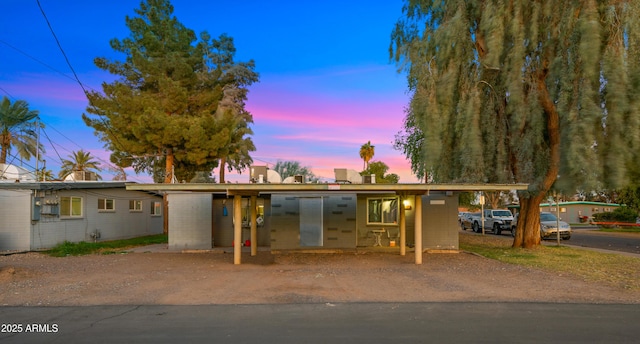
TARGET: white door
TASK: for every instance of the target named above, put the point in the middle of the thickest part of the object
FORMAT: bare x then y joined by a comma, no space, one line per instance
311,221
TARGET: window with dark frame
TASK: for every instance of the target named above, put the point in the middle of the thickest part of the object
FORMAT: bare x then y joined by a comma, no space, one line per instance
382,211
106,204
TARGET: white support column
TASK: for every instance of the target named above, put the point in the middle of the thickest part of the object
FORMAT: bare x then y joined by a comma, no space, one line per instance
254,225
237,229
418,230
403,228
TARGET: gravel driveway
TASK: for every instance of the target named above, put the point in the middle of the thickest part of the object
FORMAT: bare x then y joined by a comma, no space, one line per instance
211,278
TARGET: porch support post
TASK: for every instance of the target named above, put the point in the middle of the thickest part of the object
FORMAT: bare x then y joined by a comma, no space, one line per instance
418,231
254,225
237,229
403,228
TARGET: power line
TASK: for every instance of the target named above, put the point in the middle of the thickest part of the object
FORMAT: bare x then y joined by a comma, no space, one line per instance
5,91
61,50
77,79
35,59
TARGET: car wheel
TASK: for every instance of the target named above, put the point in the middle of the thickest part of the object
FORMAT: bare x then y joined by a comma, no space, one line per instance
496,229
513,232
475,227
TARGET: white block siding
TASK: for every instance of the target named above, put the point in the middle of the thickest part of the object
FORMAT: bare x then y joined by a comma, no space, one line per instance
28,227
15,219
190,221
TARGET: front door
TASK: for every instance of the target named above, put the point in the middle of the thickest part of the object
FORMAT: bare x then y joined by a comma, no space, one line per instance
311,221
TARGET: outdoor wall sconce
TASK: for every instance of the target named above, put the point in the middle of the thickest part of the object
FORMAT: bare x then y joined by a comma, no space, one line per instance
407,205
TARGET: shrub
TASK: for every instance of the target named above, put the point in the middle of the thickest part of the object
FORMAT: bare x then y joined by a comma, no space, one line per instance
620,214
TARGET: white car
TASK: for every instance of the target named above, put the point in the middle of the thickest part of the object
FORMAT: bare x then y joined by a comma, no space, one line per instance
548,227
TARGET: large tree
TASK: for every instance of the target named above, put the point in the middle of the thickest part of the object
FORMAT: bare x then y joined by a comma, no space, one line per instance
524,91
18,124
379,169
166,104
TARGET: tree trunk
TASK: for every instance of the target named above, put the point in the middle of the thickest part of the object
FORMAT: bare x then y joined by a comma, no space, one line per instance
6,142
493,199
528,230
168,170
223,162
168,178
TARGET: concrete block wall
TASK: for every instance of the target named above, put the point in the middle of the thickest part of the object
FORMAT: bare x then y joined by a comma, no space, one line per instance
338,221
52,229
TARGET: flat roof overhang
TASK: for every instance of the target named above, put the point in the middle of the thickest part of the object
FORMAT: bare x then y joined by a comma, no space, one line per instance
249,189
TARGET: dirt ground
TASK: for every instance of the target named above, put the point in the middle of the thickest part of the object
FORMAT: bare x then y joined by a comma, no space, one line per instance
164,278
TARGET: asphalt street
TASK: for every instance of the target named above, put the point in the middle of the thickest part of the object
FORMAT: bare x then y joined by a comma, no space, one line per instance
621,242
325,323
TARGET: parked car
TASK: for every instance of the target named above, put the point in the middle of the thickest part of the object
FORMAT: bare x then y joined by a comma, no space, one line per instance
467,219
461,214
495,220
548,227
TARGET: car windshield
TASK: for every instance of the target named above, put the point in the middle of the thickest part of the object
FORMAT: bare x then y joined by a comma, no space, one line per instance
502,213
544,217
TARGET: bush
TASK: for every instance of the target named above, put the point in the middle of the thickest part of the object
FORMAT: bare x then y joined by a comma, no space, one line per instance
620,214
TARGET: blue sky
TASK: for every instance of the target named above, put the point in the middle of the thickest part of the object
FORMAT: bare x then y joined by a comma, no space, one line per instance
326,83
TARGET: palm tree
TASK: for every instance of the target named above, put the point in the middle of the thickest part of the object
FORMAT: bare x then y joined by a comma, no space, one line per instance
80,161
367,151
17,129
44,175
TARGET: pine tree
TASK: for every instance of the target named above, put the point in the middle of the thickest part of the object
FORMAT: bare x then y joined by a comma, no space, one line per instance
164,105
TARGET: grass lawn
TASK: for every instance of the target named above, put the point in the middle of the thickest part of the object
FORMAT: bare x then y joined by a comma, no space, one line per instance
613,269
104,247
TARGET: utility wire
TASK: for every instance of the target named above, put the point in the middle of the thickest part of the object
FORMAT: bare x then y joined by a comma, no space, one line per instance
5,91
77,79
61,50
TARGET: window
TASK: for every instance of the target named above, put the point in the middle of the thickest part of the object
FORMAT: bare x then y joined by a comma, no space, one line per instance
156,208
106,204
382,211
135,206
71,206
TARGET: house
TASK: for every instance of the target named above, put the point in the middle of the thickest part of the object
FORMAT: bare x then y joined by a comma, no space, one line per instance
40,215
307,216
574,212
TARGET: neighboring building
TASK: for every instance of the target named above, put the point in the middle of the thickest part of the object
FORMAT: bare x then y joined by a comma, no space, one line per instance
575,212
579,211
40,215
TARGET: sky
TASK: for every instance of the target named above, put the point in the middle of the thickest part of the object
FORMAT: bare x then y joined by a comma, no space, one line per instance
327,85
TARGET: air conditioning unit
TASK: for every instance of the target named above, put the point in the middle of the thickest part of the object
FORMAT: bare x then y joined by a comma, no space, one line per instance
258,174
84,176
298,179
369,179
